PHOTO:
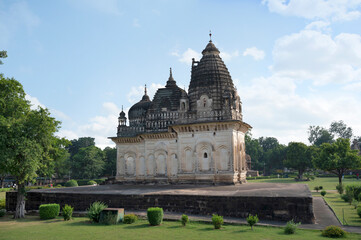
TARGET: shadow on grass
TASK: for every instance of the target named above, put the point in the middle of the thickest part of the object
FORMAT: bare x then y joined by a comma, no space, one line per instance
83,223
138,226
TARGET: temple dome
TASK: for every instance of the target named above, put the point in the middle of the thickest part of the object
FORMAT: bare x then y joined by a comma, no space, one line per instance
140,109
168,98
210,76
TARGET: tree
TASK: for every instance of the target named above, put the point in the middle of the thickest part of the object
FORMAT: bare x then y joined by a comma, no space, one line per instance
298,157
254,149
74,148
25,137
110,161
337,158
3,54
89,162
61,156
340,130
318,135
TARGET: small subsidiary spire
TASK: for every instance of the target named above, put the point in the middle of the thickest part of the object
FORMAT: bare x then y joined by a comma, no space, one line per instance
171,81
122,108
210,35
145,89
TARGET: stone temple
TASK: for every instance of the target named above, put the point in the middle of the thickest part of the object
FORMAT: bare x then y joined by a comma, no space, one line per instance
180,137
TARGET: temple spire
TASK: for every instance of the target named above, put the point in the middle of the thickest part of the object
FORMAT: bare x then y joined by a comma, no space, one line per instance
171,81
210,36
145,89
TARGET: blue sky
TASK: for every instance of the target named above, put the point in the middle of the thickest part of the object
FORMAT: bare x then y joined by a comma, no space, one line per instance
295,63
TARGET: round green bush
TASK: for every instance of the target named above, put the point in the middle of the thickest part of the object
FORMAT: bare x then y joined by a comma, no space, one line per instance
359,211
252,220
340,188
333,232
71,183
67,212
323,193
184,219
130,218
217,221
346,197
49,211
291,227
2,212
155,216
91,182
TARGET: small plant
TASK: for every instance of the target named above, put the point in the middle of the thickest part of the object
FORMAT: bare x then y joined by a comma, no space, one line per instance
155,216
320,187
347,198
184,220
340,188
94,211
49,211
67,212
91,182
2,212
130,218
323,193
108,218
359,211
217,221
316,188
252,220
333,232
354,203
291,227
71,183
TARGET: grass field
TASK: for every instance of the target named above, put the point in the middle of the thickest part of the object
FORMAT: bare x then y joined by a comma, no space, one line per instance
328,183
80,228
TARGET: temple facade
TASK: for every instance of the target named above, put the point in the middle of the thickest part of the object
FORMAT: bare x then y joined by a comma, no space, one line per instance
180,137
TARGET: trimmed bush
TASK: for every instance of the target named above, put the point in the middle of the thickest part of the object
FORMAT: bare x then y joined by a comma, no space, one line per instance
2,212
91,182
353,190
333,232
155,216
340,188
346,198
217,221
184,220
252,220
320,187
291,227
323,193
94,211
359,211
316,188
49,211
130,218
354,203
71,183
67,212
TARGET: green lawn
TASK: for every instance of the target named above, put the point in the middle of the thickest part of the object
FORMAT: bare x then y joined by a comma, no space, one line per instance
80,228
328,183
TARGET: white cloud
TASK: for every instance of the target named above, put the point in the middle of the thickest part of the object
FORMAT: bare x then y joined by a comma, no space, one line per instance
187,56
312,55
336,10
319,26
254,52
136,93
228,56
35,103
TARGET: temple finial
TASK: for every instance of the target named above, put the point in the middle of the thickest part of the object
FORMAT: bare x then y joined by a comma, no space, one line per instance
145,89
170,72
210,35
122,108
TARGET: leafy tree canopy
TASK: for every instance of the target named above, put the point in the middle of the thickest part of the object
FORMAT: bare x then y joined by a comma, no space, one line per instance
299,157
89,162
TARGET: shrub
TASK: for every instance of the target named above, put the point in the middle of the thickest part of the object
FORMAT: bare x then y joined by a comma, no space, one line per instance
155,216
291,227
252,220
320,187
340,188
184,219
323,193
359,197
333,232
316,188
94,211
130,218
2,212
359,211
353,190
91,182
58,185
67,212
108,218
217,221
49,211
354,203
71,183
347,198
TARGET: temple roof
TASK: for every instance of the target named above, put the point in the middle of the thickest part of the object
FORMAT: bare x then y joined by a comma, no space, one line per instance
140,108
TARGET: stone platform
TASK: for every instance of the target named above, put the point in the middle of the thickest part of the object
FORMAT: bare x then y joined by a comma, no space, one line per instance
270,201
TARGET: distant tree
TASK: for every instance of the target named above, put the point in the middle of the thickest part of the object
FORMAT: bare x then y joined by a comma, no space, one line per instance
254,149
337,158
3,54
82,142
340,130
318,135
61,156
298,157
25,137
88,162
110,161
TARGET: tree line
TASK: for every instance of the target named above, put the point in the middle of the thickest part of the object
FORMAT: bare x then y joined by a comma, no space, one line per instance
335,150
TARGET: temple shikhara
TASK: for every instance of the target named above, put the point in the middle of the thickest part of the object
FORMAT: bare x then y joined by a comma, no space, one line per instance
180,137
